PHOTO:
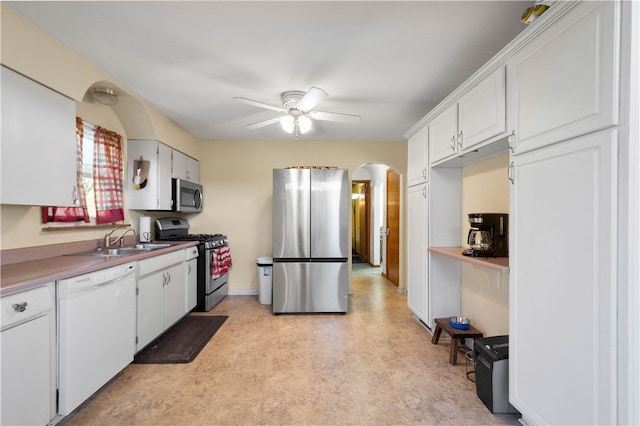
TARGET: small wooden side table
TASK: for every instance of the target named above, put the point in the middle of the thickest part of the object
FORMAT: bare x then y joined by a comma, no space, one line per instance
457,336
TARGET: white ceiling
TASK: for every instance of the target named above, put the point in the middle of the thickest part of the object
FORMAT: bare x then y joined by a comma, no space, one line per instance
388,61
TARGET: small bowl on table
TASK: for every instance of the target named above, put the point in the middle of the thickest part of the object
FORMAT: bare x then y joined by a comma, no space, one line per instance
461,323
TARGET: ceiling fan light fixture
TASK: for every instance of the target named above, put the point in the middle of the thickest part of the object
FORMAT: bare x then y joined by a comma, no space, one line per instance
304,124
288,123
105,96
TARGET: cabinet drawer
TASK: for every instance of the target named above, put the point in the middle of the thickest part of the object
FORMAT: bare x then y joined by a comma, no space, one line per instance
20,307
159,262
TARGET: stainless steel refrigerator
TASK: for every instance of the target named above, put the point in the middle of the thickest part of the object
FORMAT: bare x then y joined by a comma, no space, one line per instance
310,240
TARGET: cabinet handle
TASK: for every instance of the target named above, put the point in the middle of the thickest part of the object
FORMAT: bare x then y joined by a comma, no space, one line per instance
460,138
168,278
424,173
452,143
511,141
424,193
164,279
511,173
20,307
189,268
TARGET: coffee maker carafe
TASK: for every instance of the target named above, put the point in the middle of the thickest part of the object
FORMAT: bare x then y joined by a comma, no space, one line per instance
488,236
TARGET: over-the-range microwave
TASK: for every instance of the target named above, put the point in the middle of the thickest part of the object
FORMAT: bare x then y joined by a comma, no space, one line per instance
187,196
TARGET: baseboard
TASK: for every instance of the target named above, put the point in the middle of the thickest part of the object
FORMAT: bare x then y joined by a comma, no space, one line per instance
243,292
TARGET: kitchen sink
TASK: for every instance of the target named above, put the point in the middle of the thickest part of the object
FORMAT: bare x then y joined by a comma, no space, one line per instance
122,251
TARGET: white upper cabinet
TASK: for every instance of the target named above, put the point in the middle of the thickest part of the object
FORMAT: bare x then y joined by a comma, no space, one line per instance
566,80
482,111
38,144
155,190
443,131
417,162
479,115
185,167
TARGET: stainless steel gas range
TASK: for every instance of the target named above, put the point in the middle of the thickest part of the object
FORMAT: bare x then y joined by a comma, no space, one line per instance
214,259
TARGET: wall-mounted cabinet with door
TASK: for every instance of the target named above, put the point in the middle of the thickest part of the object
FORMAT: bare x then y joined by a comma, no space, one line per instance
184,167
38,144
164,163
477,116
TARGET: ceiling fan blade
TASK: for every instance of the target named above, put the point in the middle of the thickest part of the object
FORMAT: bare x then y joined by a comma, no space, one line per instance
260,104
312,98
334,116
260,124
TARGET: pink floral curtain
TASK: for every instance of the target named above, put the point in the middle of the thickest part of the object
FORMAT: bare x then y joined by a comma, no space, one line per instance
71,214
107,176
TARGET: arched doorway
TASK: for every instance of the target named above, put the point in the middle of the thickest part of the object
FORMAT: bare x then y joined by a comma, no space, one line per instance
369,216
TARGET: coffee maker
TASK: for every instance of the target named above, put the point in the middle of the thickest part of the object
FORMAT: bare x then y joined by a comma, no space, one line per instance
488,236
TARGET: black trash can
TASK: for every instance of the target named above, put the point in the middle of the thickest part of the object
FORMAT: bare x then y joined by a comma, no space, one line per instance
491,359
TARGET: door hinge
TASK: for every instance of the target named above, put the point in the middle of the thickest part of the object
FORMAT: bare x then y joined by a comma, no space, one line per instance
137,291
136,340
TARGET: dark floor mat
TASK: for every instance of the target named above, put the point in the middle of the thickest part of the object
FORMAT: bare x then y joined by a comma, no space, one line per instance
182,342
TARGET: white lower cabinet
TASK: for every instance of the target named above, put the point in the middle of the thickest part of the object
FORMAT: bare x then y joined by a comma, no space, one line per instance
28,357
417,255
563,291
191,299
161,295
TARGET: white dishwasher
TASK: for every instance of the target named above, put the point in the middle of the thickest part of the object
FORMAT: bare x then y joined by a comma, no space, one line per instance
97,329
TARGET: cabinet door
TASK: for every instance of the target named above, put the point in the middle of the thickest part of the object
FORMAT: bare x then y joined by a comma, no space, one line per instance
150,308
192,284
482,111
184,167
25,373
156,194
567,79
417,162
417,294
175,294
38,144
443,132
28,357
562,261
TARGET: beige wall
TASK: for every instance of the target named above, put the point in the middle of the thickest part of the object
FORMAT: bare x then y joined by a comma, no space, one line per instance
237,179
485,293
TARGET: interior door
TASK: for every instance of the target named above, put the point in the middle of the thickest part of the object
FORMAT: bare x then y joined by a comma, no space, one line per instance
393,227
361,227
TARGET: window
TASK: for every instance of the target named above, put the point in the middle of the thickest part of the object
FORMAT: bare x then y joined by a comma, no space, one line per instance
99,179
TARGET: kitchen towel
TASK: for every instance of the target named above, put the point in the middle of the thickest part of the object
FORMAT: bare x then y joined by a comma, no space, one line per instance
220,261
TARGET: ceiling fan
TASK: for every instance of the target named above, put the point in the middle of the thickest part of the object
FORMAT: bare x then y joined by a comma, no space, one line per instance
297,109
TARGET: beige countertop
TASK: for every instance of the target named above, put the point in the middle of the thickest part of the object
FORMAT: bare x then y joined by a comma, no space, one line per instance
27,268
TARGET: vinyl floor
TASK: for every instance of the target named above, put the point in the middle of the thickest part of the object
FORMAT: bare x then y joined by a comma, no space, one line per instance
373,366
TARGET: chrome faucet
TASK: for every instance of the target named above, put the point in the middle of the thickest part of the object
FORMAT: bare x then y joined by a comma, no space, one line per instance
107,238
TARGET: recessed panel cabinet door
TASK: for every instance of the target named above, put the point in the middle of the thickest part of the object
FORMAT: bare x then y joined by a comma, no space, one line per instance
562,326
566,81
443,131
417,161
417,256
